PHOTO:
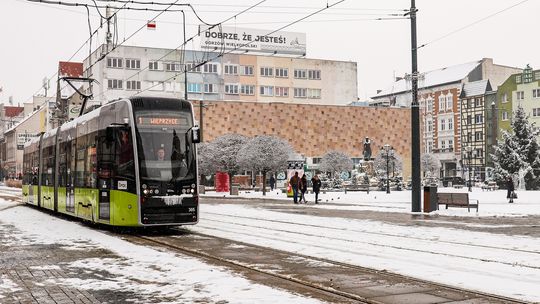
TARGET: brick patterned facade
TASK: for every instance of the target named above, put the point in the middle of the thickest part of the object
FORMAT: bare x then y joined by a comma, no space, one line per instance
313,130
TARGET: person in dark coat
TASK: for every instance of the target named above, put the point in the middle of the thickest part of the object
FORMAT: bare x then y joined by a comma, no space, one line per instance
303,188
272,183
295,184
510,189
316,182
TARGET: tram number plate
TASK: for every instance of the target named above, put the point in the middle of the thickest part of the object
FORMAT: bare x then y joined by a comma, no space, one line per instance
122,185
172,200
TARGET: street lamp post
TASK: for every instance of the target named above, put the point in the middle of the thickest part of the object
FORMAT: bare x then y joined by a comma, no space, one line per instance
469,152
388,151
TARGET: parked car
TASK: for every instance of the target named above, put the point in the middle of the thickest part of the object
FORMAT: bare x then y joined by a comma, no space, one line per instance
452,180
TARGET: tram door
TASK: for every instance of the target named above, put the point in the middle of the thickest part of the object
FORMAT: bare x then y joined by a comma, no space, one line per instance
105,155
71,155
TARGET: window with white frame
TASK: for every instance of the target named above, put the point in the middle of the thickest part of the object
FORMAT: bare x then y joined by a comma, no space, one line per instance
133,85
246,89
282,91
536,93
537,75
479,118
172,86
210,88
443,124
114,84
520,95
450,123
478,136
430,126
449,102
518,78
314,93
113,62
429,146
478,102
210,68
469,137
155,86
246,70
282,72
469,119
266,90
193,67
314,74
443,145
300,74
504,115
504,98
451,145
430,105
172,66
134,64
536,112
154,66
441,103
231,89
231,69
267,72
300,92
194,87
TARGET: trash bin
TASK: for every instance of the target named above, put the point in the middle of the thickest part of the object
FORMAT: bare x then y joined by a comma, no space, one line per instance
430,199
234,189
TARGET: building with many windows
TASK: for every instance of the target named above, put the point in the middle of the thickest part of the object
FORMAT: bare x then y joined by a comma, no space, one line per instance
133,70
438,95
519,90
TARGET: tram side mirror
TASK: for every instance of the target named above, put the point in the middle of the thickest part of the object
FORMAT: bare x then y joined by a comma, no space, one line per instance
195,135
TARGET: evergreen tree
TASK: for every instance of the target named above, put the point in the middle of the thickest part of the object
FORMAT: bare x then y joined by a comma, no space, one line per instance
518,150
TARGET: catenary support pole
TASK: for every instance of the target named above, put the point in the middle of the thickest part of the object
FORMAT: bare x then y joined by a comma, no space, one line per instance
415,118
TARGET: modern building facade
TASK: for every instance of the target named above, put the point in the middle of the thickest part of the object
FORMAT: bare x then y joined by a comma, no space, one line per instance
131,70
439,94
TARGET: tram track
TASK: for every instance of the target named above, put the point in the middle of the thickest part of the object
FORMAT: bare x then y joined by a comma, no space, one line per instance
347,230
172,242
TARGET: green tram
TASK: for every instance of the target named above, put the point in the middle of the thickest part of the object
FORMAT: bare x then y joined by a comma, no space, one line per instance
131,162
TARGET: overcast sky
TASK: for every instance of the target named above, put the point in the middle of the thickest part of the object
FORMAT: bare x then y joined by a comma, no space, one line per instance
34,37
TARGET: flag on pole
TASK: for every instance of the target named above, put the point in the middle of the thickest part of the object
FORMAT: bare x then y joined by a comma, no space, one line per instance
151,25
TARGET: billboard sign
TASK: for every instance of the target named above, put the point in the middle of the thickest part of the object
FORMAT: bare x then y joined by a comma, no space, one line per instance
22,138
255,40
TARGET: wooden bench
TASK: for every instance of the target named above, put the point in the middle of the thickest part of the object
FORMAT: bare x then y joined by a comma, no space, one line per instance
457,200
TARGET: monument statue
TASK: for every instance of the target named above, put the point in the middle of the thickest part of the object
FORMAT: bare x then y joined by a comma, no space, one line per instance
367,149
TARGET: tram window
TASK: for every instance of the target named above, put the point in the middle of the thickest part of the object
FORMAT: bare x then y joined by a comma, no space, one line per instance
124,153
91,162
80,161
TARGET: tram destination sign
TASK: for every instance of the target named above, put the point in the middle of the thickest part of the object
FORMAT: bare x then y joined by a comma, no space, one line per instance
161,121
256,40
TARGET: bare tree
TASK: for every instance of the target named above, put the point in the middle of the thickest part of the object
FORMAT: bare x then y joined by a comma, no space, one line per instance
336,162
264,154
224,152
430,163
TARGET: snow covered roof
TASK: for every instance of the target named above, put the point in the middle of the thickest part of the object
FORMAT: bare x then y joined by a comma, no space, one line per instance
432,78
475,88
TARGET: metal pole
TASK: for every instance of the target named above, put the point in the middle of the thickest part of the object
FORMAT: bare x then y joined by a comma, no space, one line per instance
415,118
387,172
470,168
185,68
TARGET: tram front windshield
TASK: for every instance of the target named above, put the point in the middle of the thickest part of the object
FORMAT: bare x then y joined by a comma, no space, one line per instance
165,150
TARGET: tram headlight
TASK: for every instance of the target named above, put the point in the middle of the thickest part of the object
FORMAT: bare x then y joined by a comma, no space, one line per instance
156,191
192,190
144,186
193,186
145,191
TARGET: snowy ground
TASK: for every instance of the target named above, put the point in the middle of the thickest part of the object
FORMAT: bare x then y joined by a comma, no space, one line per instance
494,263
492,203
138,269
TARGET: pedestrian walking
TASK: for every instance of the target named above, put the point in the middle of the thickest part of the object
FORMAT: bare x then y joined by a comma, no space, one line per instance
303,188
316,182
510,189
295,183
272,183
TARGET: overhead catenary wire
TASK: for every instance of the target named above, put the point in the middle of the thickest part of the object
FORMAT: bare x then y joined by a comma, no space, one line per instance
471,24
188,40
242,45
